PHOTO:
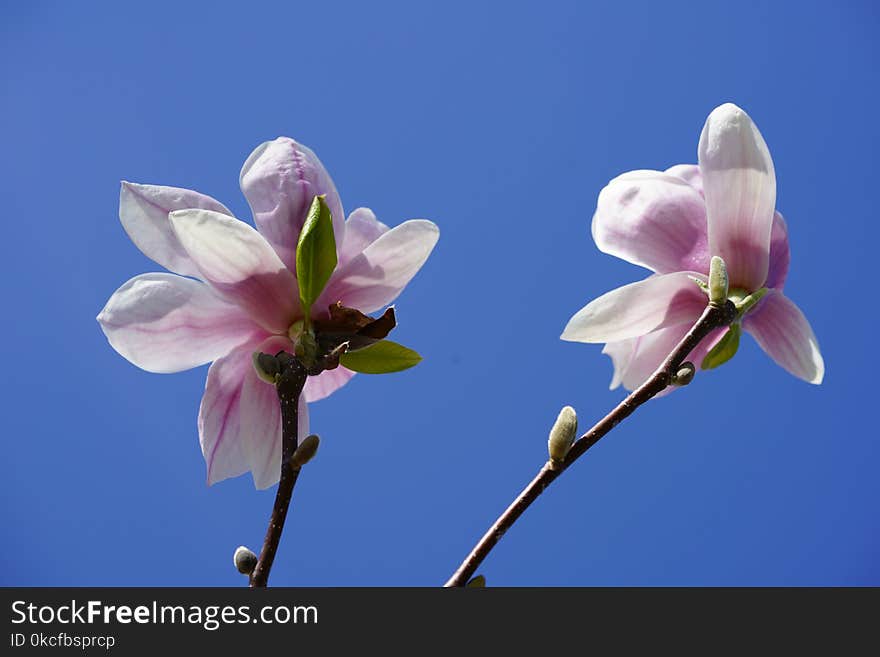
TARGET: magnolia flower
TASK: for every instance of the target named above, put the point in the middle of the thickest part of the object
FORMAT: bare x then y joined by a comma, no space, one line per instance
233,292
672,222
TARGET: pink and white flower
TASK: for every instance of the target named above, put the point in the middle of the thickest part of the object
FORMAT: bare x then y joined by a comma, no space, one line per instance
672,222
233,291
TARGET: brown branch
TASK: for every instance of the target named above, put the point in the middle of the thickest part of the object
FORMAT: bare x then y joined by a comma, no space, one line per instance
713,317
289,386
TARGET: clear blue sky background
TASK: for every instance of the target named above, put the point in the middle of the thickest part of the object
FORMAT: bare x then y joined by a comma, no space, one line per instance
500,122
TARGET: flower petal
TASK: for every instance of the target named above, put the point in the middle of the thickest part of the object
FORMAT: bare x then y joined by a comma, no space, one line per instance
636,360
375,277
361,230
238,262
638,308
650,351
780,255
220,426
280,179
167,323
783,332
621,353
240,418
739,183
261,421
690,173
652,219
143,211
326,383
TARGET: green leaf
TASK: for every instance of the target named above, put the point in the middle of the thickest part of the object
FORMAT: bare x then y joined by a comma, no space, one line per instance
315,253
724,350
382,357
478,582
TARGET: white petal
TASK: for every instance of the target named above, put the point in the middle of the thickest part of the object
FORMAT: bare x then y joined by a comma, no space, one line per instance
654,220
167,323
238,262
739,183
326,383
143,211
638,308
373,279
621,353
361,230
280,180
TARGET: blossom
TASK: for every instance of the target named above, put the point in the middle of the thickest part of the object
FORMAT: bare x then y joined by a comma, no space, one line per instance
672,222
232,291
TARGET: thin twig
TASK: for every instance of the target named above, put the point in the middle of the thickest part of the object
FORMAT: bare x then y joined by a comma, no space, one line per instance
713,317
289,386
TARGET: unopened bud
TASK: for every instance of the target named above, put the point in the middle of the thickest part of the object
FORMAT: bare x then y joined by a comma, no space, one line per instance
718,282
562,435
684,375
306,348
478,582
266,366
245,561
305,451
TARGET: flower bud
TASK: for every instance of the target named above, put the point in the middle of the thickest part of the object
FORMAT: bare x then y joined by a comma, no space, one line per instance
684,375
562,435
245,561
266,366
305,451
305,347
718,282
478,582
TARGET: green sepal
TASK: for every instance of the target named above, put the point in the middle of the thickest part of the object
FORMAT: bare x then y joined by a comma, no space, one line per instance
382,357
724,350
315,254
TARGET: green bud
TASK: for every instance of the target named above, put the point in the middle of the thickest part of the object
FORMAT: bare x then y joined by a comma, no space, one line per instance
266,366
478,582
306,348
562,435
718,282
684,375
305,451
245,561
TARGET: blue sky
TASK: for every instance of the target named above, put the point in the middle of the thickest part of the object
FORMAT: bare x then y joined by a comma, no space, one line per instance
501,123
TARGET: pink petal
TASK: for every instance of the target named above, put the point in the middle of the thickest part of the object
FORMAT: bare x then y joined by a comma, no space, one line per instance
240,418
261,421
220,427
143,211
280,179
638,308
167,323
785,335
652,219
373,279
637,359
361,230
780,255
650,352
740,188
326,383
690,173
238,262
621,353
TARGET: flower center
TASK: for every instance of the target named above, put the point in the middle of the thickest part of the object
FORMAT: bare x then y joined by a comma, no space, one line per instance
295,330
